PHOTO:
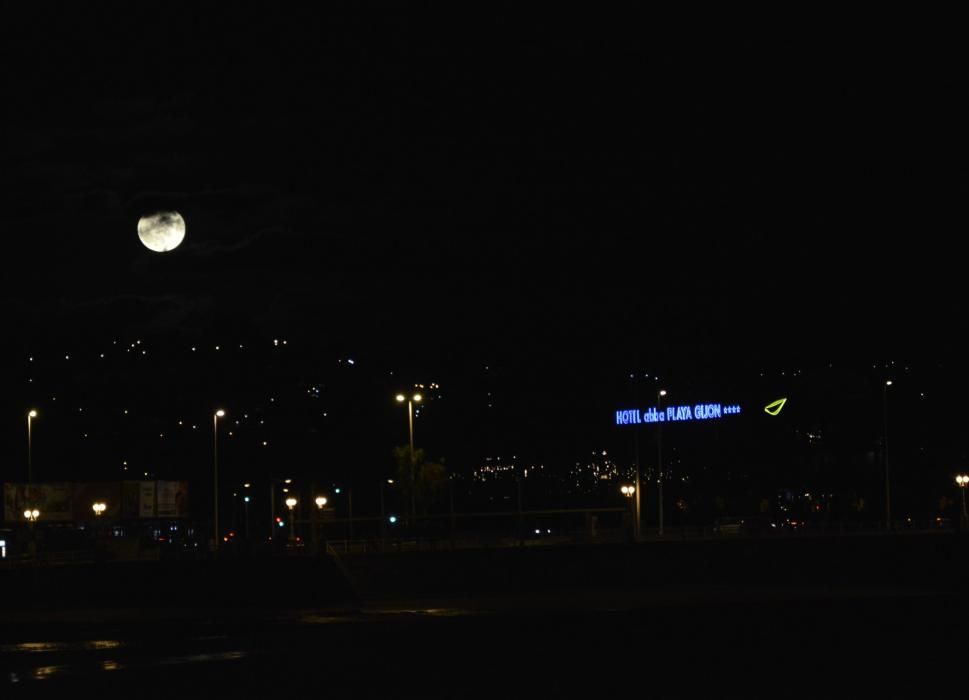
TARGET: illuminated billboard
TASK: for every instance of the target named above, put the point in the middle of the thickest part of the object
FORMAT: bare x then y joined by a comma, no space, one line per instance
676,414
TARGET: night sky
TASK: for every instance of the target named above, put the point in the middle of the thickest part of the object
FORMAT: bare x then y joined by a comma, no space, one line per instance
532,206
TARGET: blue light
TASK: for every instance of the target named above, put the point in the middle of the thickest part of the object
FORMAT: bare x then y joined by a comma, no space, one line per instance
281,523
336,490
676,414
392,519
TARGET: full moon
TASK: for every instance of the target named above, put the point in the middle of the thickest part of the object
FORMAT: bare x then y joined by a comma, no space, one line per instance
162,231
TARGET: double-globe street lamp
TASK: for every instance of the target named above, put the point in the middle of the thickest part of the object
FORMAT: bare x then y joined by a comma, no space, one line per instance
628,492
963,481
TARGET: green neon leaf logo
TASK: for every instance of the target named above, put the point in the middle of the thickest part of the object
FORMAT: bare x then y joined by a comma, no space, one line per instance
772,409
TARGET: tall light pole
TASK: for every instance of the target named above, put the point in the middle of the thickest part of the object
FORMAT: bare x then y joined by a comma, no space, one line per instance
215,463
31,414
963,481
416,398
888,490
291,504
659,456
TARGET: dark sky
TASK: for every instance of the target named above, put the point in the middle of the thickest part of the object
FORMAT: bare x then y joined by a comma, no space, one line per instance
564,197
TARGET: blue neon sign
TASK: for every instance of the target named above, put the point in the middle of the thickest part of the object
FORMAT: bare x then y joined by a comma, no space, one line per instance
676,414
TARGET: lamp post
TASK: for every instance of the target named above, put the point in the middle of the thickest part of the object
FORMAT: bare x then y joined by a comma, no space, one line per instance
215,464
291,504
31,414
963,481
416,398
659,457
888,490
32,514
628,492
320,502
99,509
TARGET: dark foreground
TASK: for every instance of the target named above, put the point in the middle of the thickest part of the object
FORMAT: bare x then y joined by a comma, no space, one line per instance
781,635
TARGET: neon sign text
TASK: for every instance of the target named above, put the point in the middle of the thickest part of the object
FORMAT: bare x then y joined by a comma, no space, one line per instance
675,414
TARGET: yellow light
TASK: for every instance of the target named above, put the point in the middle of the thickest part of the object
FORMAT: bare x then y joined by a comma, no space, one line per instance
27,514
417,398
320,501
290,502
32,414
400,398
220,413
773,408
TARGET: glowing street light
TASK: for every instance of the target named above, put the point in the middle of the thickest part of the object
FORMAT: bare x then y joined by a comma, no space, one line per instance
99,508
320,502
291,504
628,491
32,514
31,414
963,481
215,468
416,398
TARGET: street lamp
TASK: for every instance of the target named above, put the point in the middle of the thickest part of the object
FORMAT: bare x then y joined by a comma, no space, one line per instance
32,514
31,414
659,456
628,491
888,491
215,464
416,398
291,503
963,481
99,508
320,502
